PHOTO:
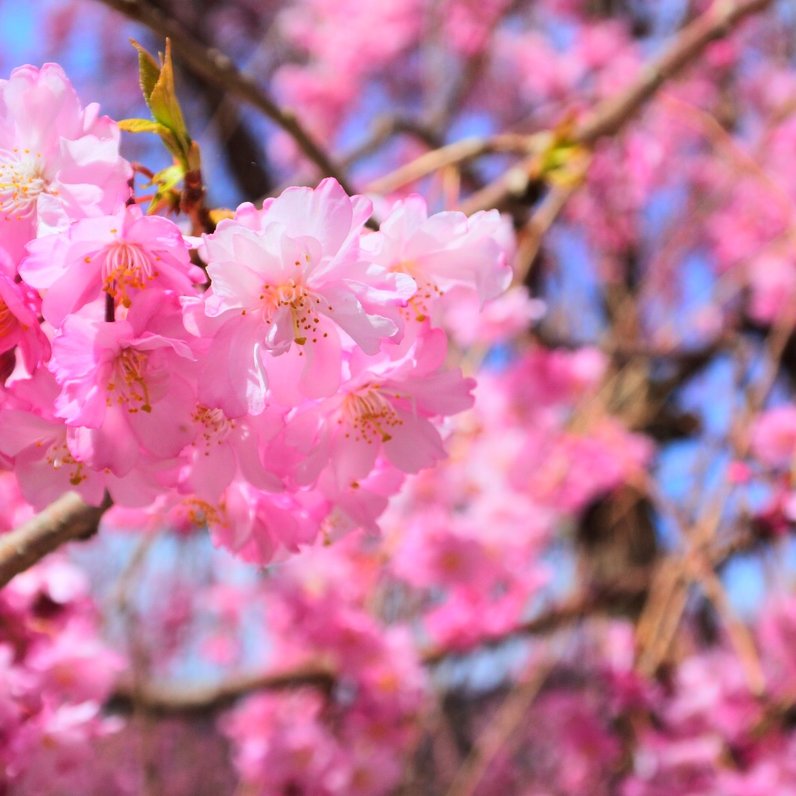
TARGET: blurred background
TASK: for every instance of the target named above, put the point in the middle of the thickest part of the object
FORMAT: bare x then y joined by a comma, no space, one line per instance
594,596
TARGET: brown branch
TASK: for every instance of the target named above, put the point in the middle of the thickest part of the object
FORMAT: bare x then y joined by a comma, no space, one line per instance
452,154
612,114
165,699
501,732
65,520
203,699
212,65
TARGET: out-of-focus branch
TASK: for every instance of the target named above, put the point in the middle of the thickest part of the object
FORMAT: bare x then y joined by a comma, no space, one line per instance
612,114
65,520
213,66
498,733
451,154
203,699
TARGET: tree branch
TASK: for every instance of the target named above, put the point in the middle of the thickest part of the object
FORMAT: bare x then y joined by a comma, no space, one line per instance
612,114
65,520
212,65
203,699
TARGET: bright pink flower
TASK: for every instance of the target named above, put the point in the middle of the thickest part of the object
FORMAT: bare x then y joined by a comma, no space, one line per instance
58,161
281,740
358,504
119,255
76,665
386,408
14,509
41,447
772,278
287,281
19,324
223,448
258,525
44,462
128,382
430,554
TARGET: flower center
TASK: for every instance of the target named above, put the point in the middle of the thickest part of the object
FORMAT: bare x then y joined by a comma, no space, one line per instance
216,427
21,181
419,305
302,303
126,267
129,385
58,456
371,416
197,513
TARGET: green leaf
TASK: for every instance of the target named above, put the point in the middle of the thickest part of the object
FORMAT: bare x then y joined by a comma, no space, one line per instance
169,178
142,126
157,84
164,104
166,193
148,70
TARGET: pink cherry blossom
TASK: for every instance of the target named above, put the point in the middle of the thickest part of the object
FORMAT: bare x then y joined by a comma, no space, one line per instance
58,160
287,281
19,324
443,251
774,436
119,255
128,383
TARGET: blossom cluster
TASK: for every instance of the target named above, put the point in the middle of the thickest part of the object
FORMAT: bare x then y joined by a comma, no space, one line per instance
355,739
55,676
281,390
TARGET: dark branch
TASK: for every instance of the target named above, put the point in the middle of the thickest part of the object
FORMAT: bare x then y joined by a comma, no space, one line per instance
212,65
65,520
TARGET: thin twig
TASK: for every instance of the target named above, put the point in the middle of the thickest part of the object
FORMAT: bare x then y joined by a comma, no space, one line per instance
203,699
449,155
498,734
611,115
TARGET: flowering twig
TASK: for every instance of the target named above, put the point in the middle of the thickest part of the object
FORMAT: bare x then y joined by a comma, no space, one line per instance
204,699
212,65
611,115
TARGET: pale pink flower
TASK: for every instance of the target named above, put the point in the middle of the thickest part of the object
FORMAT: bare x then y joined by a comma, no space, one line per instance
58,161
443,251
499,321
